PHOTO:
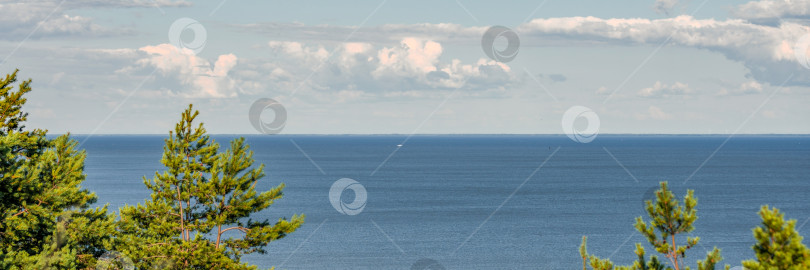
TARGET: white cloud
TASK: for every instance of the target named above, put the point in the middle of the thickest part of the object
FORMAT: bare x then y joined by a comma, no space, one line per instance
69,25
413,56
21,19
766,51
199,78
661,90
769,9
417,61
751,87
413,68
392,62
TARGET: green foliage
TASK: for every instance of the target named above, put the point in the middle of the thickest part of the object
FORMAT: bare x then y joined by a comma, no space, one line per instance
779,246
46,219
203,194
597,263
668,218
11,112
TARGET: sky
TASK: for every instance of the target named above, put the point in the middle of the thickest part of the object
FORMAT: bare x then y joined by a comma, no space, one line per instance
413,67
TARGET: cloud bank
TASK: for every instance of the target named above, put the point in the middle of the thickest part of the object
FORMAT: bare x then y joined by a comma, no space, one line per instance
353,70
766,51
49,17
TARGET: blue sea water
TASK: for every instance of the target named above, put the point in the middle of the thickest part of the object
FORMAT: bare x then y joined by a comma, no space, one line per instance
490,202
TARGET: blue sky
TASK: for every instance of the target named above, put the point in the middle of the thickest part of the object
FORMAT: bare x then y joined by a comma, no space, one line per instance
382,67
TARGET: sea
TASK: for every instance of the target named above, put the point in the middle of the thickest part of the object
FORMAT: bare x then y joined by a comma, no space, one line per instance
487,201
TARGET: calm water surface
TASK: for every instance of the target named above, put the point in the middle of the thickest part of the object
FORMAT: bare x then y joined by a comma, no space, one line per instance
493,202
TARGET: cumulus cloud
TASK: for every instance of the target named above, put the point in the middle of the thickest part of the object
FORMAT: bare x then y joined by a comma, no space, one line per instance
406,60
767,51
412,68
417,61
661,90
746,88
751,87
197,77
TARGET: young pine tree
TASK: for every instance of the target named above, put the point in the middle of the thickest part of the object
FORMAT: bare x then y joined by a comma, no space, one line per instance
202,195
45,219
779,246
668,218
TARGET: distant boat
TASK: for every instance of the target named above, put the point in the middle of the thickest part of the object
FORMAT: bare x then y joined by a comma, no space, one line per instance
399,145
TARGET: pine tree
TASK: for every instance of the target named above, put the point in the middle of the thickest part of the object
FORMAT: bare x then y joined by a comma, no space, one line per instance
779,246
46,217
202,195
668,218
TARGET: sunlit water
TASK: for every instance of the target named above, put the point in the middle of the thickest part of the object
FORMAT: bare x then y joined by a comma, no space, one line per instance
462,201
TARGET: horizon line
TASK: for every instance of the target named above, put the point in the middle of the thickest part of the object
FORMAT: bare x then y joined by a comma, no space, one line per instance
455,134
